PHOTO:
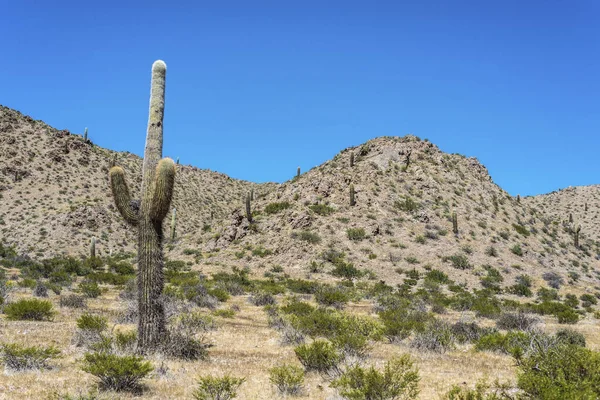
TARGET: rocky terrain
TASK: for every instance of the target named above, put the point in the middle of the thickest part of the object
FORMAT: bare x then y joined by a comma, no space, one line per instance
375,221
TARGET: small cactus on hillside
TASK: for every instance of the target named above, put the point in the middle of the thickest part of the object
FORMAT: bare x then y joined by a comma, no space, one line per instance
147,215
85,135
249,207
93,247
571,217
454,223
352,194
173,224
518,198
576,239
298,173
351,159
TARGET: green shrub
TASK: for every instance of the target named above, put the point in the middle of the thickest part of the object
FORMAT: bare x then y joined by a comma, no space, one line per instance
274,208
567,317
355,234
436,337
516,249
346,271
407,204
19,358
398,380
436,276
570,337
92,322
332,296
320,356
482,391
217,388
521,230
307,236
119,373
90,289
560,372
29,309
287,378
509,343
400,322
321,209
459,261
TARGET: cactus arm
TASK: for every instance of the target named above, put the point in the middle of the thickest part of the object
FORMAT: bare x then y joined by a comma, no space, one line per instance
164,180
121,195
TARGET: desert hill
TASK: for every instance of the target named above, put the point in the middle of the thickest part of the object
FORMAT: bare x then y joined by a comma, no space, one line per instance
55,197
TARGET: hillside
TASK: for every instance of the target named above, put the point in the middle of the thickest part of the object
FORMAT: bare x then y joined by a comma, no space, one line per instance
55,191
378,278
61,198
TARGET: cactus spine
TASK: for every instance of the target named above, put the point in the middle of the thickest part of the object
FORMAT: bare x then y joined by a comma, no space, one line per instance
352,199
454,223
173,224
93,247
148,214
249,207
351,159
577,236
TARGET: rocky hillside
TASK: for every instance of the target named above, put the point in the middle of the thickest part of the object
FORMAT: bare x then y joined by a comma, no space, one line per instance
55,193
55,196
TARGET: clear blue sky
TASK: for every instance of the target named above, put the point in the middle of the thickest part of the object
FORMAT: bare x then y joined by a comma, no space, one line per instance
255,88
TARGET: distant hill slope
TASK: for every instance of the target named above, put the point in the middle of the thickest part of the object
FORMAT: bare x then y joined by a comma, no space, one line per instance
406,190
56,195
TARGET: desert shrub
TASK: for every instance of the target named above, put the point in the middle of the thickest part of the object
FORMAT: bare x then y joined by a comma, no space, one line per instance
346,271
468,332
398,380
40,290
560,372
16,357
567,317
122,268
521,230
407,204
119,373
587,300
400,322
332,296
355,234
459,261
184,346
287,378
90,329
571,301
522,287
491,251
545,294
482,391
217,388
125,342
301,286
321,209
307,236
436,337
571,337
333,256
110,278
516,249
554,280
510,343
274,208
220,294
485,305
72,301
262,299
90,289
29,309
516,321
436,276
92,322
320,356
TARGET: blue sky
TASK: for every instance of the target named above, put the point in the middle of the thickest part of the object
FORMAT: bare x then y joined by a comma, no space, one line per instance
255,89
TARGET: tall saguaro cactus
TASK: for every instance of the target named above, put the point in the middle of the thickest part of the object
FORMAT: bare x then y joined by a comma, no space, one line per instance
173,224
454,223
249,207
158,178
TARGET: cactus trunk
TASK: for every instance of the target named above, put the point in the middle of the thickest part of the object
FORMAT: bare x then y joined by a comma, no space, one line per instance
248,208
148,215
454,223
93,247
173,224
352,199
